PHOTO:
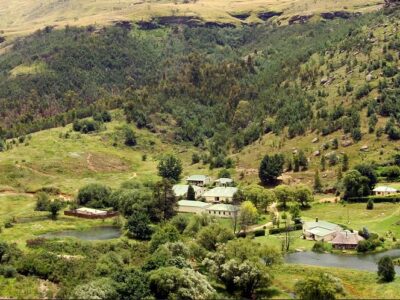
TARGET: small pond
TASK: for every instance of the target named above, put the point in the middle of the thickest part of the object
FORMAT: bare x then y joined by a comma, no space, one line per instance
91,234
365,262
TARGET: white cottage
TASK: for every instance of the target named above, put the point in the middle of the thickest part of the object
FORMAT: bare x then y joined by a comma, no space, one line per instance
223,210
198,180
220,194
384,191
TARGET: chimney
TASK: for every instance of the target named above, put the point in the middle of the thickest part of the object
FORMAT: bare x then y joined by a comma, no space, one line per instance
316,219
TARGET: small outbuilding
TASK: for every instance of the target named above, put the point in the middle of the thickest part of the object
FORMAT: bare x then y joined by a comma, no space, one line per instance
198,180
346,240
220,194
188,206
224,182
223,210
384,191
320,230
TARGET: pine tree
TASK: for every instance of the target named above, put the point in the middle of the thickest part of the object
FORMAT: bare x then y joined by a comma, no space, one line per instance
317,183
191,194
345,163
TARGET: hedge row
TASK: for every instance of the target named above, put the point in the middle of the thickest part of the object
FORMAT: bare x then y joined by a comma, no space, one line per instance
284,229
376,199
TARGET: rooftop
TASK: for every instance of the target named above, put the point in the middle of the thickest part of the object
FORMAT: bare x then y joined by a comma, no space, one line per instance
321,224
193,203
197,178
384,189
319,231
224,180
91,211
347,238
221,192
223,207
182,189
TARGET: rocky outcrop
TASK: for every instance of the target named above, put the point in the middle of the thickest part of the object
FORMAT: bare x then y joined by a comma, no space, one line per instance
179,20
268,15
391,3
2,39
147,25
298,19
124,24
242,16
218,25
339,15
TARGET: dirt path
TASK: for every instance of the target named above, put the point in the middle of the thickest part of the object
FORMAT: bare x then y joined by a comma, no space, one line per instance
272,208
90,163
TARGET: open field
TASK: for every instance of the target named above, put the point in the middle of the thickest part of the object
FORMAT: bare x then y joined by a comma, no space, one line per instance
47,160
357,284
21,17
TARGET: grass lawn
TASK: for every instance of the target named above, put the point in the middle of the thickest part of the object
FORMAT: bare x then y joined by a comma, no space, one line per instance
357,284
30,223
381,219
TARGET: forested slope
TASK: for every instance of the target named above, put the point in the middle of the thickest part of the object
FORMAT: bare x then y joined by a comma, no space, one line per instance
218,88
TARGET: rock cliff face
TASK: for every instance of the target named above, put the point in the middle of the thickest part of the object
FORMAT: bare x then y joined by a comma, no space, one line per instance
339,14
389,3
2,39
242,16
268,15
298,19
180,20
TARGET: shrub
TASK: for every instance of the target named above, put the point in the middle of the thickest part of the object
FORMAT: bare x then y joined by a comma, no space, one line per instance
321,247
283,229
94,195
260,232
386,270
370,204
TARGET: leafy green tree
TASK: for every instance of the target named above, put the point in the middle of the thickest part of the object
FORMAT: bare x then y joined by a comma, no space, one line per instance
42,201
284,194
98,289
173,283
94,195
245,276
247,215
130,137
369,172
295,211
319,287
131,284
345,163
138,226
370,204
224,173
386,271
317,183
355,185
170,167
191,194
242,115
271,168
303,195
54,208
163,235
165,200
180,222
303,162
210,236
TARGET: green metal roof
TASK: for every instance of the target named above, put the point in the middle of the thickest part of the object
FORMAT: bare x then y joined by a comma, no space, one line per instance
180,190
197,178
223,207
319,231
193,203
321,224
221,191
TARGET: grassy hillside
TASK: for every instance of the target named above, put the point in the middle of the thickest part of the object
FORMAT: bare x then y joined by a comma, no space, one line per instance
21,17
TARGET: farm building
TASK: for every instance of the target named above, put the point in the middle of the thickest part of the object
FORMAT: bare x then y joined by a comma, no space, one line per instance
320,230
223,210
224,182
180,190
346,240
198,180
220,194
384,191
188,206
90,213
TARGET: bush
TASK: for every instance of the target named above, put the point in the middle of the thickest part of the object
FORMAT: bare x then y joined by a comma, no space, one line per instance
386,270
8,271
321,247
94,195
283,229
260,232
370,204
